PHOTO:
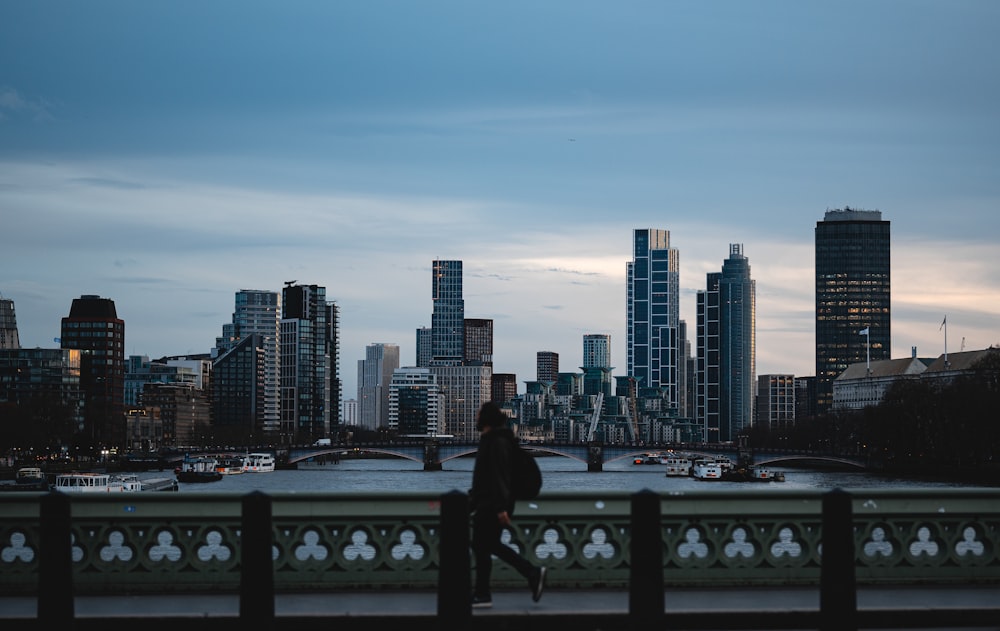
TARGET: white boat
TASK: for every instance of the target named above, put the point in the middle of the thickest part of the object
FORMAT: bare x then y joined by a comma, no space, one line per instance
678,466
230,465
258,463
84,482
704,469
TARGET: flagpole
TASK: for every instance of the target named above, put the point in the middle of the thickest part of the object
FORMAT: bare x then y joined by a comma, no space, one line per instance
944,325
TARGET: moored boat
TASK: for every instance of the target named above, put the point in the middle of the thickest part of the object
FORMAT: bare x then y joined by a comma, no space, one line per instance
90,482
705,469
199,469
258,463
27,479
230,465
678,465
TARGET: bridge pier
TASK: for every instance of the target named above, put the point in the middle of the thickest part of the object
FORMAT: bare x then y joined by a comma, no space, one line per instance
595,457
432,460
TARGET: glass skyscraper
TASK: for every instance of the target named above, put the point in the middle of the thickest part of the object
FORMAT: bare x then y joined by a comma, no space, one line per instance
448,317
310,395
853,298
726,312
653,342
256,312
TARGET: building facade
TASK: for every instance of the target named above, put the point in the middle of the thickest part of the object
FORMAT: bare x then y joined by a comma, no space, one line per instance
256,312
374,378
596,350
40,396
94,328
775,402
478,342
307,345
547,366
239,391
653,343
414,403
448,316
853,294
423,347
504,387
463,390
9,338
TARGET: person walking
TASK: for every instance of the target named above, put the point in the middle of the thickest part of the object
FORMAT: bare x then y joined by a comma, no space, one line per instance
492,506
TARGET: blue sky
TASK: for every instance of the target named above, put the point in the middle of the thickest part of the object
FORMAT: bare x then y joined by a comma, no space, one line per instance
166,155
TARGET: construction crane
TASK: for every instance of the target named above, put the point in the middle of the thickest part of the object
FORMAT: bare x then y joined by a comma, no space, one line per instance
595,416
633,409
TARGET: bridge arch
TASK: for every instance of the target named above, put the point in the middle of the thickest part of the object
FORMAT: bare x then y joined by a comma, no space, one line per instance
301,457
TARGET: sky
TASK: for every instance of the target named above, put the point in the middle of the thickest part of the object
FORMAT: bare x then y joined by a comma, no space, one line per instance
166,155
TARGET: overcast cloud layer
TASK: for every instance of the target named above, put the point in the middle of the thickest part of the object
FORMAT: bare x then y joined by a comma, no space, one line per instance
167,155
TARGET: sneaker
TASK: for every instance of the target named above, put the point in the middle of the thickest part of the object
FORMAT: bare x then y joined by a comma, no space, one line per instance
538,584
482,602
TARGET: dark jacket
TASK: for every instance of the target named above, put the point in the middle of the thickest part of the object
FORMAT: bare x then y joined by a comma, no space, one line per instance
491,475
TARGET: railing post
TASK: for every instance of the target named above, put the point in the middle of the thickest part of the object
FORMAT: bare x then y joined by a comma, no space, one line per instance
645,591
454,599
55,562
256,565
838,599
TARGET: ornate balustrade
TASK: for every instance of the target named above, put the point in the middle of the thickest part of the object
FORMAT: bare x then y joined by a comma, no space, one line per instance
167,542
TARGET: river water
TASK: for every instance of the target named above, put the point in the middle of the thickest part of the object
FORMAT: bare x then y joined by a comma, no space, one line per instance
560,474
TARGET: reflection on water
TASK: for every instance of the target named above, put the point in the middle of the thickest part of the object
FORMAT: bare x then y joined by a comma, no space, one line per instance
561,474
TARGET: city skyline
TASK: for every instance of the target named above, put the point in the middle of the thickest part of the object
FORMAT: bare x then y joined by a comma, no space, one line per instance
340,146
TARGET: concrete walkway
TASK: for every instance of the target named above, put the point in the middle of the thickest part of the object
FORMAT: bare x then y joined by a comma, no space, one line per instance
911,607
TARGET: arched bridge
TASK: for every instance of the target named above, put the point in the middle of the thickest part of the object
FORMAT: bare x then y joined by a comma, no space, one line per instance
433,453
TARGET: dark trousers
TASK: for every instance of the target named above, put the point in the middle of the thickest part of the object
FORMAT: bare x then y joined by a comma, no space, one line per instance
486,531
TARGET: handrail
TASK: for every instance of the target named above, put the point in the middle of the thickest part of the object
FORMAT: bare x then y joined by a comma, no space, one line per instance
842,539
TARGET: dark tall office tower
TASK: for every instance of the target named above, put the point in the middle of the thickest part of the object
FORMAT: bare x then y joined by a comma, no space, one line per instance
853,298
256,312
423,347
448,317
333,376
547,366
653,344
238,386
708,401
478,342
306,363
8,326
93,327
726,312
503,387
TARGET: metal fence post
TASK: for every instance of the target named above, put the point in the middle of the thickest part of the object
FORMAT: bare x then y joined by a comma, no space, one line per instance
55,562
838,599
256,565
645,592
454,598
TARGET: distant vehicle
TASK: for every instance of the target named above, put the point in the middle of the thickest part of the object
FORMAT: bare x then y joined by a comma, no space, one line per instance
322,442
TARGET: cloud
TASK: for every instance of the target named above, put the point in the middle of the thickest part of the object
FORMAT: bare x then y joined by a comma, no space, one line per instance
13,105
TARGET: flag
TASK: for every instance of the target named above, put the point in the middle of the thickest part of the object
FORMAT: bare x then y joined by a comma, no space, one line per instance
864,331
943,322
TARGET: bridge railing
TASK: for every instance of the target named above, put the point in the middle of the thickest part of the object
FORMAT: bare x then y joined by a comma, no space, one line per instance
54,545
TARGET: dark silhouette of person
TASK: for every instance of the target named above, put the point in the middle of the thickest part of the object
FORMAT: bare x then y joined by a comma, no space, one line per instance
492,506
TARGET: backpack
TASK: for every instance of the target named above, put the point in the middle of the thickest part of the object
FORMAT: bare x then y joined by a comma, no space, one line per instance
526,477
